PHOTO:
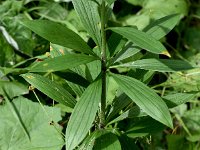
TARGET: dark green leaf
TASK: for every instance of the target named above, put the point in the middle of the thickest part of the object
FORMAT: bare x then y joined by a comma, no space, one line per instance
51,89
161,27
58,34
107,141
131,113
83,115
161,65
144,127
174,100
127,143
61,63
88,13
145,98
141,39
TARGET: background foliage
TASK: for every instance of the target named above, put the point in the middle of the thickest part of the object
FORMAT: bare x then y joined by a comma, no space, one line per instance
19,47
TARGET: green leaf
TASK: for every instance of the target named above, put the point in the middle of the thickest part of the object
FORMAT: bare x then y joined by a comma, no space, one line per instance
127,143
107,141
161,27
143,127
110,1
50,88
88,13
61,63
42,134
13,89
140,39
145,98
83,115
131,113
177,99
58,34
161,65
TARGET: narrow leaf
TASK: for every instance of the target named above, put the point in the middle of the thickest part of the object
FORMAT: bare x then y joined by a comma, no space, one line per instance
161,27
140,39
83,115
58,34
110,1
145,98
61,63
50,88
161,65
174,100
131,113
88,13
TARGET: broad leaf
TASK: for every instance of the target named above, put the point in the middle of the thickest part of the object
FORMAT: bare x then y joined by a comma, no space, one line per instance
58,34
37,122
83,115
141,39
88,13
161,65
13,89
177,99
145,98
51,89
107,141
61,63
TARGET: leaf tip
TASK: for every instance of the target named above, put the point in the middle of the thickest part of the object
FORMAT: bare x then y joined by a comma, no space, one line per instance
166,53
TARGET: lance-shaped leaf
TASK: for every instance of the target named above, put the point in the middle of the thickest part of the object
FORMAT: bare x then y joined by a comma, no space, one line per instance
141,39
110,1
83,115
161,65
145,98
174,100
159,28
58,34
88,13
50,88
61,63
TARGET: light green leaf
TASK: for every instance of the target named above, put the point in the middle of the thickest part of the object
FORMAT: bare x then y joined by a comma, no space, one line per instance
140,39
13,88
161,27
161,65
43,135
83,115
61,63
177,99
88,13
58,34
107,141
145,98
51,89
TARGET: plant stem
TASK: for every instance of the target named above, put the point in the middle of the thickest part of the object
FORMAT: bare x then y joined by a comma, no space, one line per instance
103,67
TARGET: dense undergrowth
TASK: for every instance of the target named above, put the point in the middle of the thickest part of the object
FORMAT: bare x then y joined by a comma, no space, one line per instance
29,113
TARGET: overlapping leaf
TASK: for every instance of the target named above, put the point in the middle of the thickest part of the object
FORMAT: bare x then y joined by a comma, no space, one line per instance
89,15
145,98
161,65
50,88
140,39
83,115
61,63
58,34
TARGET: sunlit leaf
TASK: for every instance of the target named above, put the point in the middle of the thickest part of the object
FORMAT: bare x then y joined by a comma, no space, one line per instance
83,115
145,98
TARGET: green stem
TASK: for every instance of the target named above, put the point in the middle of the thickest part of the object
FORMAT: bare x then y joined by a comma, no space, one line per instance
103,67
